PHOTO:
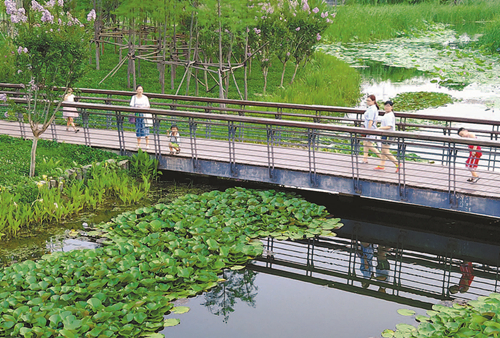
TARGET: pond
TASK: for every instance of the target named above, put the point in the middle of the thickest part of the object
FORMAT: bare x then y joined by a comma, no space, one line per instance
322,288
383,259
438,61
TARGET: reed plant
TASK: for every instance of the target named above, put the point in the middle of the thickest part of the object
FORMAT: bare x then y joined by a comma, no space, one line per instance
380,22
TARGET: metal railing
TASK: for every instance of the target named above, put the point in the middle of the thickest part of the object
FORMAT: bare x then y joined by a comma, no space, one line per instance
397,274
429,161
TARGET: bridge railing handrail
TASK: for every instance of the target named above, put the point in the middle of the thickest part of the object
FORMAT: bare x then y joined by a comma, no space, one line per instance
244,103
284,123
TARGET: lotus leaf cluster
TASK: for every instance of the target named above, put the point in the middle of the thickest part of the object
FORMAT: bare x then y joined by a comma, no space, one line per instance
478,318
152,256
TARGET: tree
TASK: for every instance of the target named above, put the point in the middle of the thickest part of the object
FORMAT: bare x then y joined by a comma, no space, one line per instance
51,50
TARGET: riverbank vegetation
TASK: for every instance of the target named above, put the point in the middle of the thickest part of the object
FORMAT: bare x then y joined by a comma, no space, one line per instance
26,203
153,256
387,21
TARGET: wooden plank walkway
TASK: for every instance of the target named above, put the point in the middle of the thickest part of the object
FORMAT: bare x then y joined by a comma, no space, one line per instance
415,174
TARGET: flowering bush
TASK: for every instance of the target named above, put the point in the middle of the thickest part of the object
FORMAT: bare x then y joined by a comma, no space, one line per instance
51,48
290,28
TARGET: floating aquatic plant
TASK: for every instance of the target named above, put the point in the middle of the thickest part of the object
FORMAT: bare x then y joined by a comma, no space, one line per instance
153,255
478,318
439,52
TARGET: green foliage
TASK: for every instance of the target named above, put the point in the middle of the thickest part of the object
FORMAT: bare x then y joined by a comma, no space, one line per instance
7,60
328,82
478,319
382,22
490,40
55,157
104,181
142,164
413,101
153,256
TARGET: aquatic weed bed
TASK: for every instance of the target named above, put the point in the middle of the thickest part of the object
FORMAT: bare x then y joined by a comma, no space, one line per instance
153,256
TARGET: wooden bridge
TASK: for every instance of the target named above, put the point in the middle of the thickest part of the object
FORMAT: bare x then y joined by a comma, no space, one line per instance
308,147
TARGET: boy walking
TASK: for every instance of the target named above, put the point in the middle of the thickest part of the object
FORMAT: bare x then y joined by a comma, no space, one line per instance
474,155
175,140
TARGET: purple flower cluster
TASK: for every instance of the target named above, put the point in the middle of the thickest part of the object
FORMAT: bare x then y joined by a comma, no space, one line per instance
16,15
47,16
318,37
316,10
257,31
36,6
3,97
91,16
21,50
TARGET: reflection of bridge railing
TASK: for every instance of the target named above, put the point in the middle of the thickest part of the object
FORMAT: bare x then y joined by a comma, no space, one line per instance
408,277
297,153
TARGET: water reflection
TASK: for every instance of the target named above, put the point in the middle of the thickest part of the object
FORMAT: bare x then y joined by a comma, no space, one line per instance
401,268
239,285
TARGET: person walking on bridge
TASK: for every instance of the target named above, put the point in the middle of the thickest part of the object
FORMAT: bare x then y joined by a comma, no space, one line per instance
388,123
142,120
370,122
474,155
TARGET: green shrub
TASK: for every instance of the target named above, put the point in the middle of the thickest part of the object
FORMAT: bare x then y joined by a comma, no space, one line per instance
329,82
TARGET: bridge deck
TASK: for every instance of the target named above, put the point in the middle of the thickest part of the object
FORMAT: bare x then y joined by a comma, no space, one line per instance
416,174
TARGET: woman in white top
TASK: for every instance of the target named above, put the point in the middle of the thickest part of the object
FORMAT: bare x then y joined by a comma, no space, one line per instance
388,122
69,113
370,118
139,100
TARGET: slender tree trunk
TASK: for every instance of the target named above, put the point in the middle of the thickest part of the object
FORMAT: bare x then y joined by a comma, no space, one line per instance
295,72
245,77
221,86
283,73
265,71
33,156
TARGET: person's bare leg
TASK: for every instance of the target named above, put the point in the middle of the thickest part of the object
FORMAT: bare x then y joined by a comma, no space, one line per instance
138,142
383,155
147,142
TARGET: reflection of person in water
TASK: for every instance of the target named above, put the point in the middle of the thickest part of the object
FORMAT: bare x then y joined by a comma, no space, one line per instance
366,264
383,266
465,280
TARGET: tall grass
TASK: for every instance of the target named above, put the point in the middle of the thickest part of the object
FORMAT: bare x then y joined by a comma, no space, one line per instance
329,81
379,22
490,41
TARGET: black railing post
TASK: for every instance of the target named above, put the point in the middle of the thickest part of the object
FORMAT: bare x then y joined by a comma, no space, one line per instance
278,116
401,155
232,153
493,151
270,151
156,136
108,117
119,128
452,171
85,126
355,162
192,137
311,147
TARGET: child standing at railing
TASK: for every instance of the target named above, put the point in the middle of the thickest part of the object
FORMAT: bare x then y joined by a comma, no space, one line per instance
474,155
175,140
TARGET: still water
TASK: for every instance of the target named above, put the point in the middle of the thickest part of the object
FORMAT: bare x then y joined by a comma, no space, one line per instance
351,285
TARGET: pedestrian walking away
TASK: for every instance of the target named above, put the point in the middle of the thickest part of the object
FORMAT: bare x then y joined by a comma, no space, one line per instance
474,155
